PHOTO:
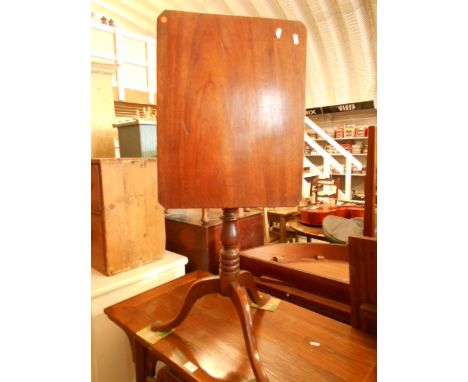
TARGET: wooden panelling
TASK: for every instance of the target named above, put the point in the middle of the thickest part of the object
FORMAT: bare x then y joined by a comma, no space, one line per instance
363,282
230,111
312,275
370,218
334,289
201,243
326,306
190,241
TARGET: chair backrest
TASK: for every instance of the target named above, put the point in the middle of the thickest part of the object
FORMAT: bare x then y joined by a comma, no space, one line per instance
324,190
363,282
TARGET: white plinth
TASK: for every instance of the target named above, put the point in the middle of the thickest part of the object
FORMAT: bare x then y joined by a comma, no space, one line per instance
110,349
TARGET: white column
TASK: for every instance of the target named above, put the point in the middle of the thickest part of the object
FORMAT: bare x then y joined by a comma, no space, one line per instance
348,179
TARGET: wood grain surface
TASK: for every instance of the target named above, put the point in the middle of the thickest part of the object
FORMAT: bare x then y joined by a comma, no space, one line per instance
230,111
127,222
370,219
295,344
201,243
312,275
298,265
363,275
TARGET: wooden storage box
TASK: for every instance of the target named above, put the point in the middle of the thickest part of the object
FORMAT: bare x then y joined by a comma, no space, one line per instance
127,221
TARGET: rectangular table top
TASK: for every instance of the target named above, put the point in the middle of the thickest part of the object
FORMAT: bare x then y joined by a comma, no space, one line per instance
295,344
193,216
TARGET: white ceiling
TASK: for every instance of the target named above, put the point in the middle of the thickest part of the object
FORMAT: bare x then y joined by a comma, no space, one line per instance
341,41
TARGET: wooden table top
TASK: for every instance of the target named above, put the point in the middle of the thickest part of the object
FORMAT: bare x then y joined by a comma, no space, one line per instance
283,211
193,216
295,344
306,230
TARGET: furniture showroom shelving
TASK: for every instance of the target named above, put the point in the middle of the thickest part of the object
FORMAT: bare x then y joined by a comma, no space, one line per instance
331,123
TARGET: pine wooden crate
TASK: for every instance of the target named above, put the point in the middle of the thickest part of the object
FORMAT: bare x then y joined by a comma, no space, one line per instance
127,221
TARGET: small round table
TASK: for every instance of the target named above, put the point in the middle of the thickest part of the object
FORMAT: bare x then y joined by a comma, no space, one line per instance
308,231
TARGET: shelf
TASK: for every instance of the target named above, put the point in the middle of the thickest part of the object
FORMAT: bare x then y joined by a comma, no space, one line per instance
333,174
342,139
336,155
332,123
308,174
354,155
354,201
337,174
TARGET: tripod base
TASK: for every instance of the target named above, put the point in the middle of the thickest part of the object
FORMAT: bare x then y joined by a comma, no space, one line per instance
236,291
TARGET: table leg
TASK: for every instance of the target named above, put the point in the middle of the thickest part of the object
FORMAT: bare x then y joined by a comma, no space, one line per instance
240,300
166,375
139,359
144,362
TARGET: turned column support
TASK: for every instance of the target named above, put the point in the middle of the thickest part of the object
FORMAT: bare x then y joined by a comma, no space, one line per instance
231,283
229,256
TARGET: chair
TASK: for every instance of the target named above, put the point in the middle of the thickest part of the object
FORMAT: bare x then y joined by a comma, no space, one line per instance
363,282
272,230
269,236
324,190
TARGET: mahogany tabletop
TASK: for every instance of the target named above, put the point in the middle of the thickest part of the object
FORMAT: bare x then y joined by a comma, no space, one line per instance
308,231
295,344
193,216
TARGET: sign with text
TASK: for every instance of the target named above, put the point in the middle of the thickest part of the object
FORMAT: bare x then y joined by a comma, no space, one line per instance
340,108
